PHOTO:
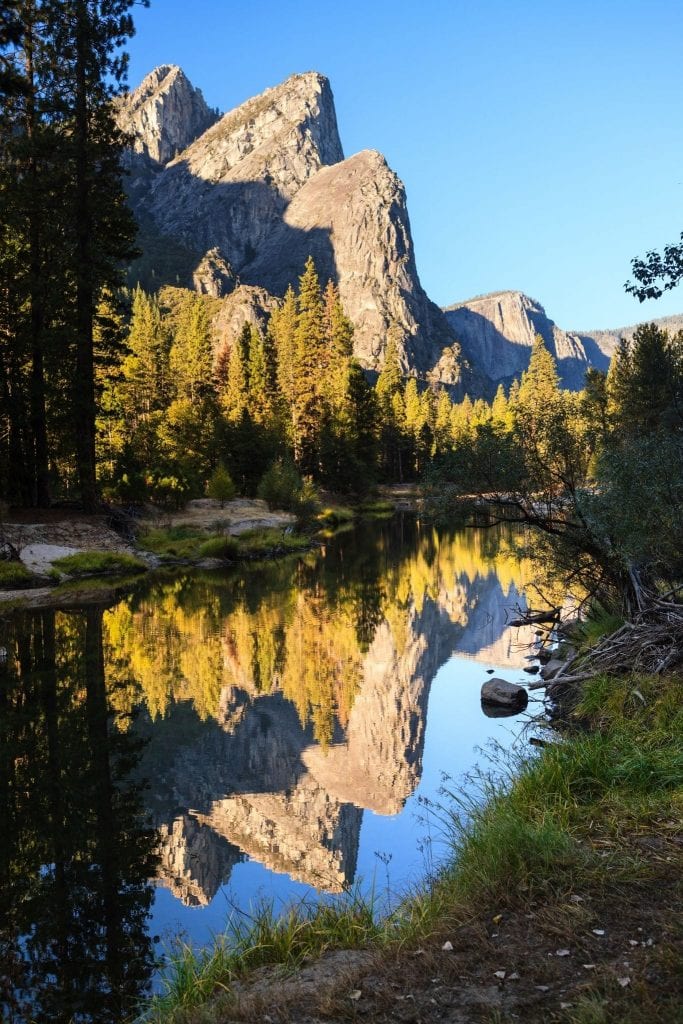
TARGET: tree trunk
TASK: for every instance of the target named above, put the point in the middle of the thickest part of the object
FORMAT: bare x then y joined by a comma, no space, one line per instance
37,386
84,391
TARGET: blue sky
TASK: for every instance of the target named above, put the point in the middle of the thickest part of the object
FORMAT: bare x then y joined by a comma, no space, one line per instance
540,143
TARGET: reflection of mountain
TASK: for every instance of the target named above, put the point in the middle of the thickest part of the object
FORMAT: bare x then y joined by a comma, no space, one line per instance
252,778
239,783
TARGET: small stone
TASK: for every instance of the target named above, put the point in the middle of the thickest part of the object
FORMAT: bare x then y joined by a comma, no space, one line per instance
562,952
633,942
588,967
598,931
565,1006
447,946
499,974
543,988
355,995
514,976
624,982
576,899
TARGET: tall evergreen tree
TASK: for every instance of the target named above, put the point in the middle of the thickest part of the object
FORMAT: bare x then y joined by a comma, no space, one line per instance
88,67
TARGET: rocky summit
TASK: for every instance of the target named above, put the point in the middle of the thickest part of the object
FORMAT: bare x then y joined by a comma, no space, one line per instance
497,332
234,205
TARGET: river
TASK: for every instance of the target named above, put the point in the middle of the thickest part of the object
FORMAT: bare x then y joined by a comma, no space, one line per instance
217,739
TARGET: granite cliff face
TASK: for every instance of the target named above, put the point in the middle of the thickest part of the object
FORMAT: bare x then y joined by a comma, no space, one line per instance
497,332
242,201
164,114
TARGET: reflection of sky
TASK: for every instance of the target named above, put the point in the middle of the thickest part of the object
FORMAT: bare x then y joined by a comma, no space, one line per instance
391,848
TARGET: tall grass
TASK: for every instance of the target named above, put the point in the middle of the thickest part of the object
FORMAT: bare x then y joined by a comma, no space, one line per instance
517,835
257,940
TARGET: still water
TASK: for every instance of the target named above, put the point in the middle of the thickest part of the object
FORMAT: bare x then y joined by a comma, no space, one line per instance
214,740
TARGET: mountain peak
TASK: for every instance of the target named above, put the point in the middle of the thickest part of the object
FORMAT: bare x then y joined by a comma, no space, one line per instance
164,114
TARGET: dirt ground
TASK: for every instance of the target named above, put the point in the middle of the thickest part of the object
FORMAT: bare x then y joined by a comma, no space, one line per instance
612,954
234,517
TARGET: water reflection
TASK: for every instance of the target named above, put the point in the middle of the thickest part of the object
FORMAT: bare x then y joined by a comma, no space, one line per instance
75,858
281,704
248,716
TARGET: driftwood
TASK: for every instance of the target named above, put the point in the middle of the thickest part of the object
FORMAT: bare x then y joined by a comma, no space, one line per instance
565,680
536,618
651,643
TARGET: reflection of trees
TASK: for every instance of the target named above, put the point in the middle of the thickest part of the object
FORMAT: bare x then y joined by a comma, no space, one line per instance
303,628
74,855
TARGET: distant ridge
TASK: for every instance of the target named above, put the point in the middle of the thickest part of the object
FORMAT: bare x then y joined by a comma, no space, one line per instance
497,330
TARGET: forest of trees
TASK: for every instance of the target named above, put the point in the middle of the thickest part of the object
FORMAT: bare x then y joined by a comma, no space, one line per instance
130,397
65,233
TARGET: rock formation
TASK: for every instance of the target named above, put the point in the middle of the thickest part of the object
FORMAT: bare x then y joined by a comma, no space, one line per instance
264,187
497,332
164,114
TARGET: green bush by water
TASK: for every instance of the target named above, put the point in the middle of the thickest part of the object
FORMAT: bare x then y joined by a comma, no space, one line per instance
87,563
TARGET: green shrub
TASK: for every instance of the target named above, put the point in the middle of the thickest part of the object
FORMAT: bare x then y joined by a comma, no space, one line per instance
87,563
14,574
219,547
174,542
281,486
253,543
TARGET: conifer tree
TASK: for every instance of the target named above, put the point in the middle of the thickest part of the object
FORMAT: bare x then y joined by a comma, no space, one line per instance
259,377
191,356
390,376
87,68
310,359
146,367
235,398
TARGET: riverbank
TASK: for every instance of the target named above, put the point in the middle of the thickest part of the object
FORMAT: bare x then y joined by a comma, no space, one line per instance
64,555
558,901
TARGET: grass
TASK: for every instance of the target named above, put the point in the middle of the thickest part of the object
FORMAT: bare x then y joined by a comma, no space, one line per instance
184,543
220,546
14,574
303,932
567,820
260,543
598,624
91,563
173,542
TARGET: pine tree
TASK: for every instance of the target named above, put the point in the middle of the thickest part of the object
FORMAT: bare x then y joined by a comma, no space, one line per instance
87,68
282,329
338,347
146,367
235,397
191,356
390,376
259,377
310,360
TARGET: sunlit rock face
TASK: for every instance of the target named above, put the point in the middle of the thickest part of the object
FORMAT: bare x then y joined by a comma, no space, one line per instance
164,114
265,187
497,333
